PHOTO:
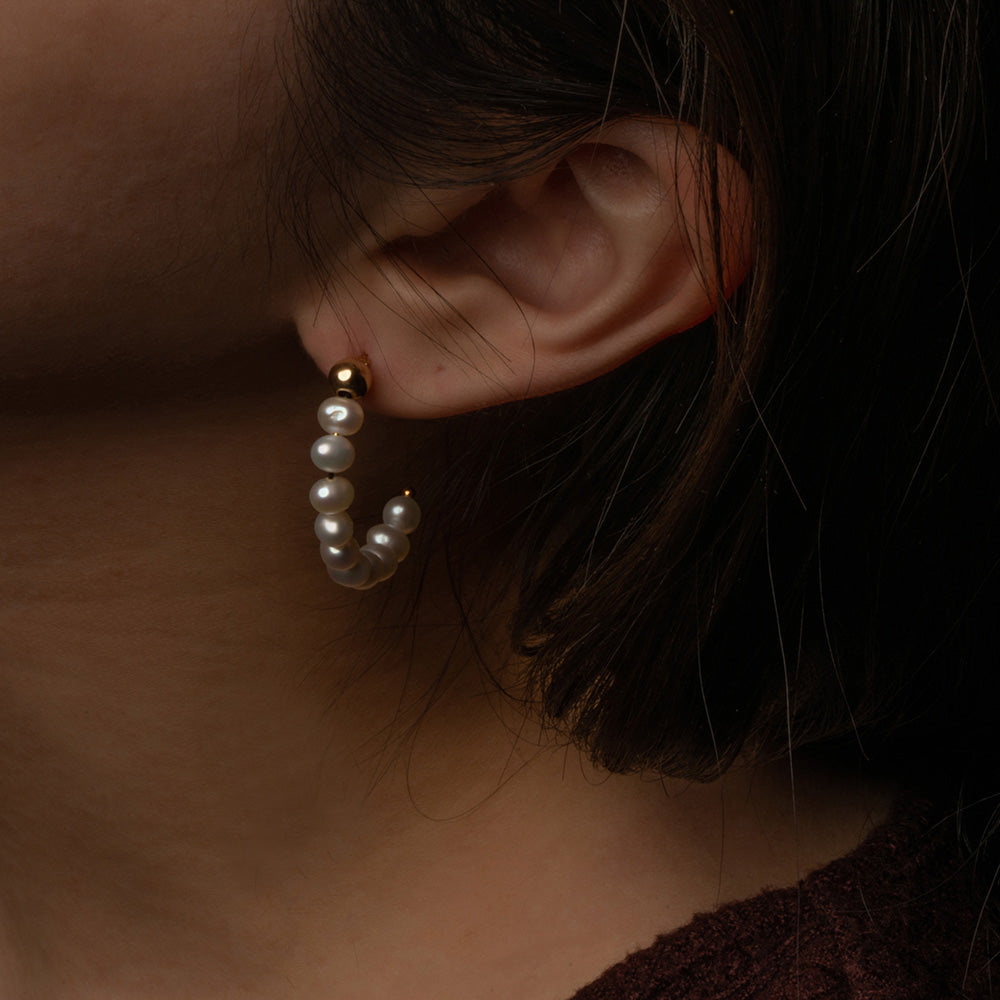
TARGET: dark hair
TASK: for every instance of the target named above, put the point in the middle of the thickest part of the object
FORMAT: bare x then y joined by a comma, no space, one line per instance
780,528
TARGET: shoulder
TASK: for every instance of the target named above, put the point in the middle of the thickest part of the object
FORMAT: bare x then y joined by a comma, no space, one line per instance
896,919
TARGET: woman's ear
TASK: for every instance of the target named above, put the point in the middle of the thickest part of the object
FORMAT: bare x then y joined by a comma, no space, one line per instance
469,297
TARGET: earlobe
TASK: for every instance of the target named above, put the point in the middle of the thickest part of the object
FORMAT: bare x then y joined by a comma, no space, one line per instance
476,296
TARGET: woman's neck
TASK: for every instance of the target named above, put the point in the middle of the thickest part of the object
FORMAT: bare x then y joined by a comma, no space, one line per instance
221,775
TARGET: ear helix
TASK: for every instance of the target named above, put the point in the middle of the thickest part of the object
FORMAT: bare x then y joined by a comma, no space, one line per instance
387,544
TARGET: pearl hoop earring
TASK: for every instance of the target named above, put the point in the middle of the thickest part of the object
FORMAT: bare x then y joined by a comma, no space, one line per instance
387,544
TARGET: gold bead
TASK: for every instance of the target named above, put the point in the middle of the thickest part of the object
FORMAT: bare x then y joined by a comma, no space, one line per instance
351,377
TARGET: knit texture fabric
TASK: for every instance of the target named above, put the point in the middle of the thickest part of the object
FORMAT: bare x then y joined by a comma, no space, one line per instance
897,919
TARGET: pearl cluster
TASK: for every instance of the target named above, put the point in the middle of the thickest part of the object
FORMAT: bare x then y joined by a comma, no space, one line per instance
387,544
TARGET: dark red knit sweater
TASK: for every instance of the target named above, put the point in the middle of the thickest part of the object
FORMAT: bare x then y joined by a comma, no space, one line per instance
897,919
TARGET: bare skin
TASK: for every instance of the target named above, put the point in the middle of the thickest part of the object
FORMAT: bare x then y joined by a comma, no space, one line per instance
211,779
198,802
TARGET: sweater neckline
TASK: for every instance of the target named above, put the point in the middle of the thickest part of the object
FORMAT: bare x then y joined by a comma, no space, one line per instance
721,953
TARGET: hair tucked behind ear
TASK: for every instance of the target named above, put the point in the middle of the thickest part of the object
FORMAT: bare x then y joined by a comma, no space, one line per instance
779,528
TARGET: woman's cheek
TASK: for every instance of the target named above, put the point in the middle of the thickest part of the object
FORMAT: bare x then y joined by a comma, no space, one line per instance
131,140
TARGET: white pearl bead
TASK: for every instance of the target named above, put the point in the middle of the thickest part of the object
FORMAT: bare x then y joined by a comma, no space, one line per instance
341,416
333,453
382,558
334,529
403,513
357,576
331,495
340,557
387,544
391,538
